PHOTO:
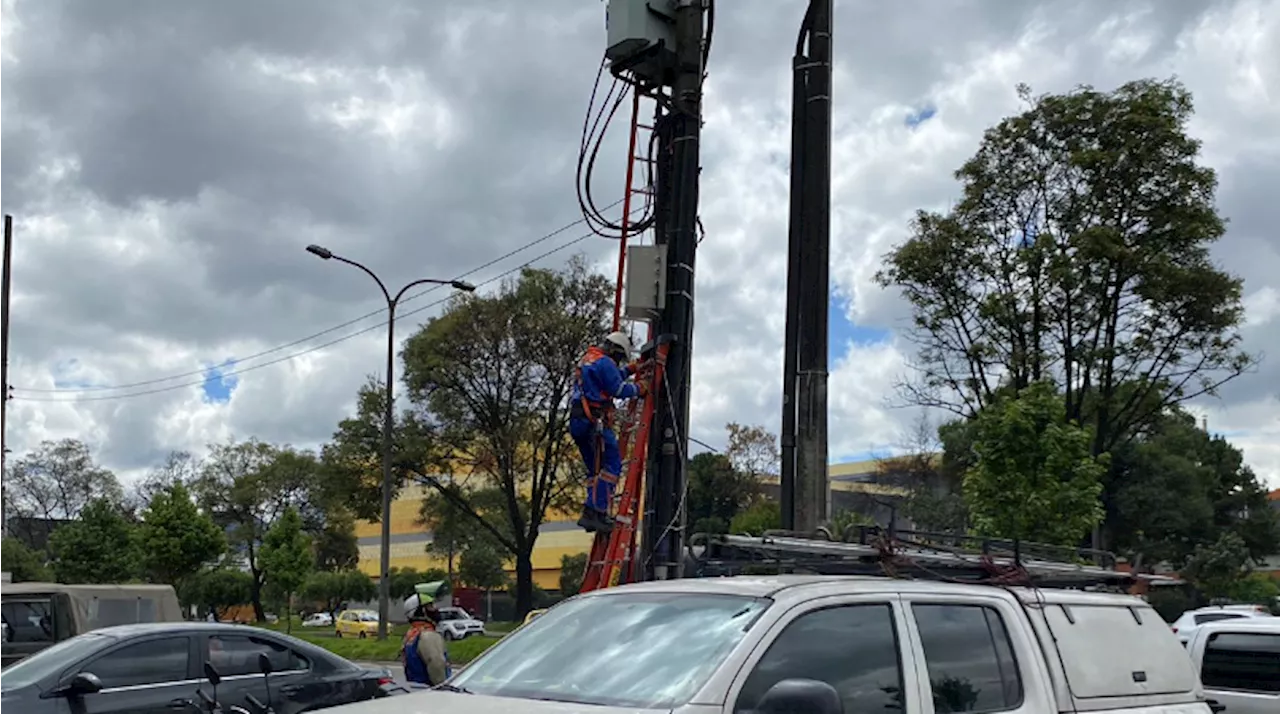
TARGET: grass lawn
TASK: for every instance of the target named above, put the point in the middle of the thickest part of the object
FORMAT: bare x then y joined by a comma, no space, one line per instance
371,650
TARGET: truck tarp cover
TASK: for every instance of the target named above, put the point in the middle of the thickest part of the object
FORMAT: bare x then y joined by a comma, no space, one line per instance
94,606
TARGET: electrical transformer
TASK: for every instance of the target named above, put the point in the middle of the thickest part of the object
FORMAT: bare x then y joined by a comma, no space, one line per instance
640,38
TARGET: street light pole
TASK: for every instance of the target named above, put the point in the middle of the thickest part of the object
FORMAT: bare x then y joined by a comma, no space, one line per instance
384,578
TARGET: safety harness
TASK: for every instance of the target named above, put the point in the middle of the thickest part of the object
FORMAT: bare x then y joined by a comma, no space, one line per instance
601,418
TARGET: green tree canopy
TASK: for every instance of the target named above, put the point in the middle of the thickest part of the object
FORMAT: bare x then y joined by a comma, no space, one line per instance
54,482
573,568
1035,478
717,492
483,565
176,538
1078,253
494,373
218,589
22,563
100,547
333,588
286,555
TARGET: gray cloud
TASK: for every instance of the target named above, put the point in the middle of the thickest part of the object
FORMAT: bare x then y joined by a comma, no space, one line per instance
168,161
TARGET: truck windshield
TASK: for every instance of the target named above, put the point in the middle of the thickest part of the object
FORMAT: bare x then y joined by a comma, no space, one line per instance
644,650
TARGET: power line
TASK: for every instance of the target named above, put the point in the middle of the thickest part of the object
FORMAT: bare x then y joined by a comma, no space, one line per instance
280,348
311,349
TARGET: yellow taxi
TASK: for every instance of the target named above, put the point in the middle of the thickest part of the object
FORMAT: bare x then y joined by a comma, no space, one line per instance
356,623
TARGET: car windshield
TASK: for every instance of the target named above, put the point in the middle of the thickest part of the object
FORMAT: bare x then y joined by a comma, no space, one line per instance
52,660
644,650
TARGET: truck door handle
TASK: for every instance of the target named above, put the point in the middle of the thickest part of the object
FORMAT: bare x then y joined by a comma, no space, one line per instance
181,704
290,689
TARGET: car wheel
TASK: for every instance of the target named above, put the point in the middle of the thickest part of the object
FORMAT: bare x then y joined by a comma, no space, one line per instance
363,634
337,633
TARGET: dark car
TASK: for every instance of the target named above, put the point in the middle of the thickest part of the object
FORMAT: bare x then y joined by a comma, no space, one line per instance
154,668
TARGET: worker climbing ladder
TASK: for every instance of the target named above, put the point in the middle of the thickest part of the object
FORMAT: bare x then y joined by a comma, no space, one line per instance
612,555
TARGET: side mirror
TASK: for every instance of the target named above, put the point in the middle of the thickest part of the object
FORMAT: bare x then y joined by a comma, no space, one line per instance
211,674
800,696
264,663
83,683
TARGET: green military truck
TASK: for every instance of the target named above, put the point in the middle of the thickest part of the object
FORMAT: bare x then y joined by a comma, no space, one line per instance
36,615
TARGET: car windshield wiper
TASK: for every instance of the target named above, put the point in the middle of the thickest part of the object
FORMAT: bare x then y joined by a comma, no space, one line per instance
453,688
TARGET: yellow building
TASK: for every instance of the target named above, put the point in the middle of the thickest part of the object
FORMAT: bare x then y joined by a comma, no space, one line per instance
560,535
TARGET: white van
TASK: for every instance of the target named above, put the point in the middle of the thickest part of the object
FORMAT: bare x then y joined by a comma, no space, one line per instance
826,645
1239,664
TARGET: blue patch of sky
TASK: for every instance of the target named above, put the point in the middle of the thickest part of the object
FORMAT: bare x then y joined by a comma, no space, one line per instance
218,384
64,375
920,116
841,331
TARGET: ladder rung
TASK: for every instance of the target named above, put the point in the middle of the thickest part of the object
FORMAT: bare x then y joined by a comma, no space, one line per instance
646,127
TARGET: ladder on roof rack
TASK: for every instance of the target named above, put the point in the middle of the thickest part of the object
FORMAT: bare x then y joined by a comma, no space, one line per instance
879,552
612,556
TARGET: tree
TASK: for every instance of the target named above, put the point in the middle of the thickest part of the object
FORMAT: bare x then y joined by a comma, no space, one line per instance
752,450
176,538
53,484
1216,568
451,512
1079,253
333,588
482,566
22,563
1175,487
336,546
287,559
218,589
494,373
1035,478
573,568
717,492
246,486
352,460
761,516
178,467
100,547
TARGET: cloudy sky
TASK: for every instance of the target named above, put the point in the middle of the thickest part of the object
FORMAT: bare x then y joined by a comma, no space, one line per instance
167,162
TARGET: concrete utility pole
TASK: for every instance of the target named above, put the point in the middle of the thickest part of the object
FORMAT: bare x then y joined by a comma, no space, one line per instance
804,475
677,228
6,286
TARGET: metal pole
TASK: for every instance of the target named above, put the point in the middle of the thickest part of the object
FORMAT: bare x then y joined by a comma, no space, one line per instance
6,284
810,504
665,529
384,579
795,278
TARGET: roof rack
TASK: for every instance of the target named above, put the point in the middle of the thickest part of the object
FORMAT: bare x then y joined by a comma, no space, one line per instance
871,550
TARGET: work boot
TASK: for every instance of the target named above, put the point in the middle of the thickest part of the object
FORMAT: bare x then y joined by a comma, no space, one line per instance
593,521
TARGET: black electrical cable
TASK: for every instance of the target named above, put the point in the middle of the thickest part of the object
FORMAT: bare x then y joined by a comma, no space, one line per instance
344,338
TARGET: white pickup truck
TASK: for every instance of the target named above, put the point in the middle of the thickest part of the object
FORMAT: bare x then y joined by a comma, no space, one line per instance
1239,663
825,645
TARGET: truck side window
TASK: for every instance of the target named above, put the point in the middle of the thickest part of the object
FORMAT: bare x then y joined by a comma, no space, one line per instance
969,658
1242,661
28,620
854,648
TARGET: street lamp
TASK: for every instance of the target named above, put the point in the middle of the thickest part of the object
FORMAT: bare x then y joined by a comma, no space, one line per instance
384,581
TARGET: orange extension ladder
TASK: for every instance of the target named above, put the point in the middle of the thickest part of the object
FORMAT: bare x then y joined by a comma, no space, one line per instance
612,556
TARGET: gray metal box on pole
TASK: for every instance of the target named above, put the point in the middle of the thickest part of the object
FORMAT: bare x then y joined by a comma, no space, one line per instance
641,35
646,287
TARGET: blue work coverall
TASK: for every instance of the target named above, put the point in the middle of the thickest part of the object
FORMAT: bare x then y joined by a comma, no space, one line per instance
600,381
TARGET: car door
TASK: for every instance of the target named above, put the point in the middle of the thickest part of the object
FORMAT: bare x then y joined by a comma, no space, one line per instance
849,642
292,686
146,675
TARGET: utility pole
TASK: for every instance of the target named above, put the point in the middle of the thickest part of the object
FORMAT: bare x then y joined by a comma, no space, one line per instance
6,291
661,552
804,476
